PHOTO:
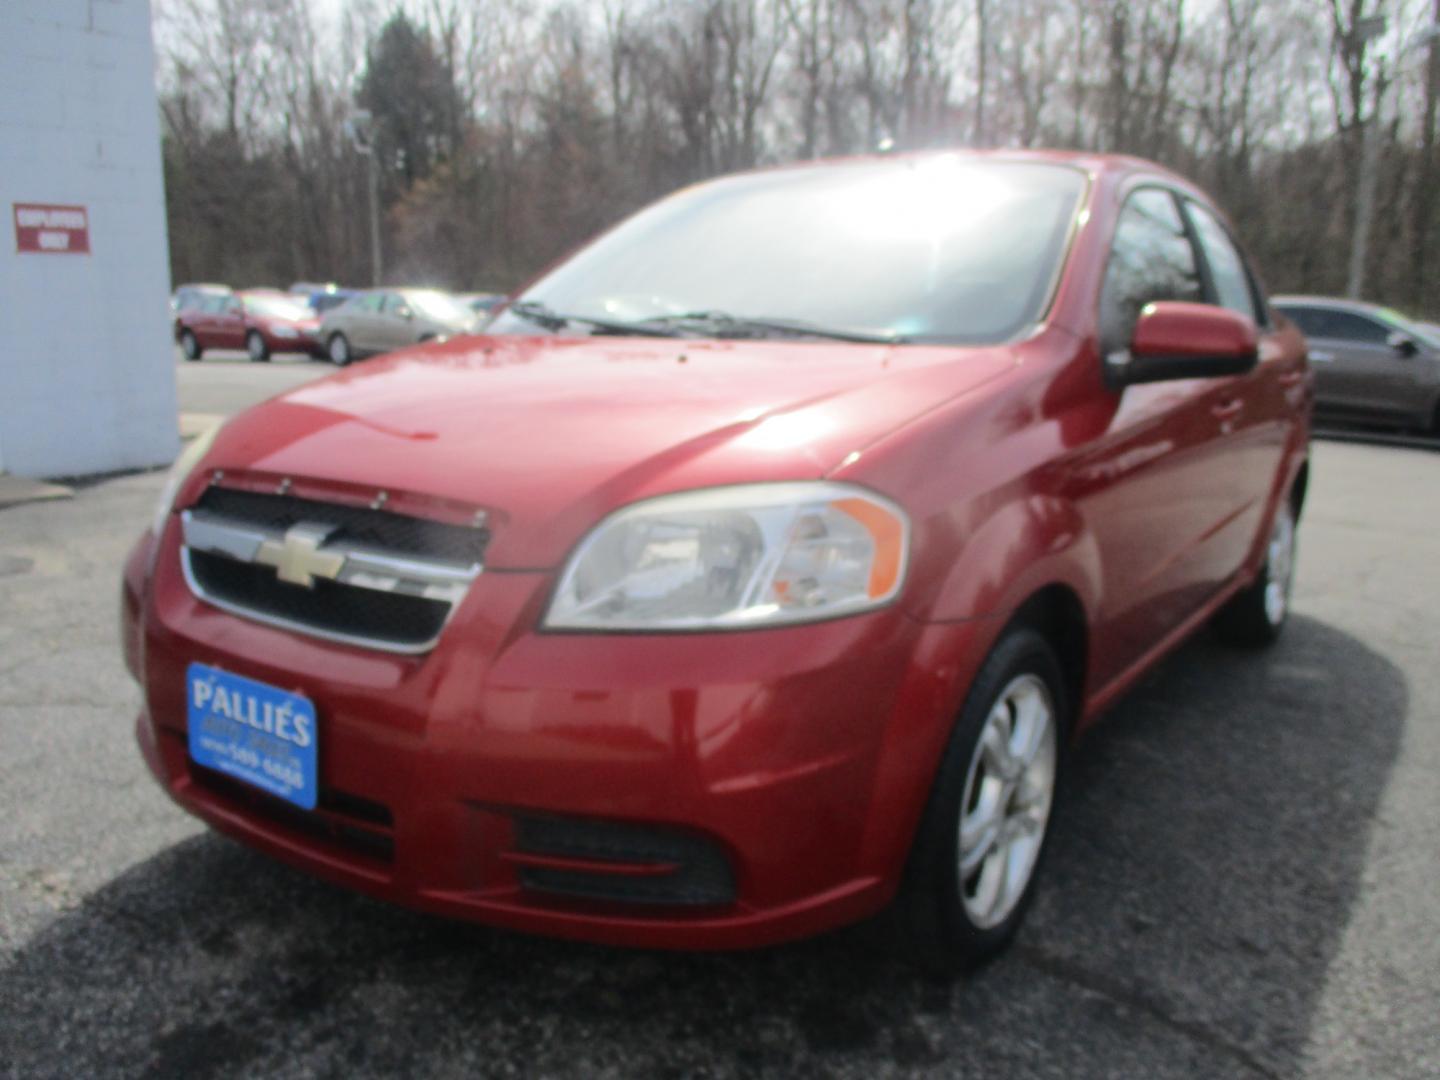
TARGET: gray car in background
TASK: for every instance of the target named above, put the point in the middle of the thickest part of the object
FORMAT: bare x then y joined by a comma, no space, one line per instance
1371,364
379,320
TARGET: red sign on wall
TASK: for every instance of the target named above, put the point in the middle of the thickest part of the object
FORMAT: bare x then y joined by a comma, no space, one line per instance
52,230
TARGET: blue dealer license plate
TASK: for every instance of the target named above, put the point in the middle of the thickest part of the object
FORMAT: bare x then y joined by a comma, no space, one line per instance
257,733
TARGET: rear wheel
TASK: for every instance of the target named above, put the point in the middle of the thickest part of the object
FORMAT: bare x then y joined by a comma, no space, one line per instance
1255,617
256,347
339,349
971,872
189,346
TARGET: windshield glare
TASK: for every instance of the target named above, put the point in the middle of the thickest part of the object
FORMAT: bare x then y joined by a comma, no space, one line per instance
277,307
934,249
437,305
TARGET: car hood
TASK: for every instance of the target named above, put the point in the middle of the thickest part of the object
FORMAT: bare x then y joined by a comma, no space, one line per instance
549,434
306,325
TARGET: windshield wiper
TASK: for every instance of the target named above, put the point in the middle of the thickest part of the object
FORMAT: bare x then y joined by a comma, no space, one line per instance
543,315
723,324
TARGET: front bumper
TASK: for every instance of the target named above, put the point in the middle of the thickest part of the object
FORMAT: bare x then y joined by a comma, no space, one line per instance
800,756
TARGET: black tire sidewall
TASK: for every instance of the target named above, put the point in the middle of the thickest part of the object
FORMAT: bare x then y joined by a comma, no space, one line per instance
257,355
1244,621
189,346
939,934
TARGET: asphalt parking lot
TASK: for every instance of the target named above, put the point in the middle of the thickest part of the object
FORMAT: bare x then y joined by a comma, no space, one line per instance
1243,880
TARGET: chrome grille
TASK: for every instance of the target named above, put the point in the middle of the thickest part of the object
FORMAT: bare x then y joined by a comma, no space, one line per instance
352,574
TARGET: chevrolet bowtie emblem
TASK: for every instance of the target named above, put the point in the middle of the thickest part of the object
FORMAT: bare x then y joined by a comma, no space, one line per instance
298,559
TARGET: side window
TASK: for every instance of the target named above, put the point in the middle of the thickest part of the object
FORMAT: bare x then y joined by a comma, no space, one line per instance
370,302
1227,266
1345,326
1303,317
1150,259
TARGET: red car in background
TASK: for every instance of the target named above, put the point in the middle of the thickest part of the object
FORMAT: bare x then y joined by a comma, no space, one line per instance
260,321
752,573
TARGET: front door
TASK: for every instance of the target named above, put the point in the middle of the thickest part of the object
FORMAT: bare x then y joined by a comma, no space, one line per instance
1358,372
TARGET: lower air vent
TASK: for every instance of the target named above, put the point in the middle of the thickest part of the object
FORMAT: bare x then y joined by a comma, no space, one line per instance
622,863
353,824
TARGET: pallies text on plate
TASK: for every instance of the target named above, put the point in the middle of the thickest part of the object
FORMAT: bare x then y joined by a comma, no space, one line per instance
261,715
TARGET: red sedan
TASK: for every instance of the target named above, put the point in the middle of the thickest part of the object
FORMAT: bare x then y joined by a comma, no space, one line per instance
753,574
259,321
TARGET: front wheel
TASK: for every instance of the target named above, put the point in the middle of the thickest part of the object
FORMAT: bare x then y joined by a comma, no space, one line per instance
971,872
256,347
1255,616
339,350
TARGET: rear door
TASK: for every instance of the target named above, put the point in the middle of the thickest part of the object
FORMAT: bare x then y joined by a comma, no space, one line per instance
208,321
230,323
1254,410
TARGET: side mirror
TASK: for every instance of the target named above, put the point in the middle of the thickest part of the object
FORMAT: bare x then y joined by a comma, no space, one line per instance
1402,343
1175,340
405,313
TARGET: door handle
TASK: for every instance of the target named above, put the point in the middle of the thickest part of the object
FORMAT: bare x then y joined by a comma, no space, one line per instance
1322,357
1229,410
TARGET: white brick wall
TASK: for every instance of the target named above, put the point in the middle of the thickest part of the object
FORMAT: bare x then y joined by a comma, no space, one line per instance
87,381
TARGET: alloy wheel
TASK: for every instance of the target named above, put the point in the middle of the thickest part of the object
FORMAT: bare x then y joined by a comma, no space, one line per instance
1280,566
1009,788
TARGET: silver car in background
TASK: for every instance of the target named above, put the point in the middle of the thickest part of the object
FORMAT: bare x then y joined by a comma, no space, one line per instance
379,320
1371,364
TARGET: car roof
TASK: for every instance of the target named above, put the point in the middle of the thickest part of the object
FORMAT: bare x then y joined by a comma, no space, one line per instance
1336,302
1094,164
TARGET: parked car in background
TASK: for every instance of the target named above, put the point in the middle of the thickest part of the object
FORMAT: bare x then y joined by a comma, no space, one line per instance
321,298
261,322
756,578
1371,363
379,320
191,296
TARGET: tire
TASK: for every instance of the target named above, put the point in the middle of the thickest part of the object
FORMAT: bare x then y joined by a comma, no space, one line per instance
1255,616
190,346
338,349
963,897
256,347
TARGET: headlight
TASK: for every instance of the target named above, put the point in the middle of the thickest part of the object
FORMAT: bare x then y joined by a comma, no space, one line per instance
727,558
285,332
184,465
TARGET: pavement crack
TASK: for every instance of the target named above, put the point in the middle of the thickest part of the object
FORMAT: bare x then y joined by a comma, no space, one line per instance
1119,992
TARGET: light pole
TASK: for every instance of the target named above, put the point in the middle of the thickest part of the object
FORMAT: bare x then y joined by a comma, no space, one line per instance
1364,31
360,128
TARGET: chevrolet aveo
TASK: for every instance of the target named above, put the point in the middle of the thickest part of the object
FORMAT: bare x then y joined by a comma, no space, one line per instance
753,572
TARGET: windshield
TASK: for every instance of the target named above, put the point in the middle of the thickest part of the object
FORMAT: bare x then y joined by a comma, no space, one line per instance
325,301
437,305
936,249
277,307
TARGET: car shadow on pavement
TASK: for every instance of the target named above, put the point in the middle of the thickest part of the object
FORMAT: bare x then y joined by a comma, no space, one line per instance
1205,859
